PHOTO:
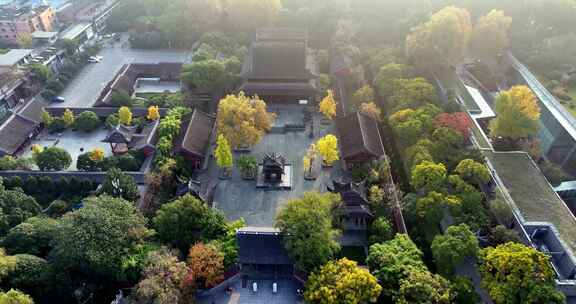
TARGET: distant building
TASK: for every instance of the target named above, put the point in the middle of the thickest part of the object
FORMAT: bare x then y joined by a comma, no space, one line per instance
44,38
280,68
20,22
15,58
80,32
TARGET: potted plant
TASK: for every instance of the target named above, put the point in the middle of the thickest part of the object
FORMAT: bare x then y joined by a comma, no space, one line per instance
247,165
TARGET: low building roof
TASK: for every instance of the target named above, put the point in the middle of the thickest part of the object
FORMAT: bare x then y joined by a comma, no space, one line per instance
14,56
15,132
532,195
196,133
44,35
75,30
261,246
359,134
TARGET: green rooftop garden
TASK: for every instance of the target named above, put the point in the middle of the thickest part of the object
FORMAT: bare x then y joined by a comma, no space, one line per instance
532,194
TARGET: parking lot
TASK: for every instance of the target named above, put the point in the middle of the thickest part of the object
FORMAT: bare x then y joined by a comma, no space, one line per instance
87,85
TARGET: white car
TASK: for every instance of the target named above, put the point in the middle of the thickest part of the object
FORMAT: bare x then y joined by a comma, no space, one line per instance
94,59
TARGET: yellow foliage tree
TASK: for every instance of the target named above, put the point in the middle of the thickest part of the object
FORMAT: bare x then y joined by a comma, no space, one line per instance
243,120
46,118
153,113
97,154
125,116
223,153
328,105
518,114
327,147
372,110
308,159
68,118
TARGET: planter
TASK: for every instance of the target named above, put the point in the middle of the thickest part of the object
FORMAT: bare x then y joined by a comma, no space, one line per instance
224,174
249,175
310,176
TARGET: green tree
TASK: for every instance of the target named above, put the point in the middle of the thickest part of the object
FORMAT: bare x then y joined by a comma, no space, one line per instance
444,38
473,171
412,93
40,73
490,34
428,176
53,159
450,249
207,75
517,114
515,273
119,184
365,94
393,260
502,235
385,80
162,279
248,15
7,264
310,213
87,121
380,230
96,238
433,206
15,208
186,221
33,236
342,281
423,287
15,297
31,274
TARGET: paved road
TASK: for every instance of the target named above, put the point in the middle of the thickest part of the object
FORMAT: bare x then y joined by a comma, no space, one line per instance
87,85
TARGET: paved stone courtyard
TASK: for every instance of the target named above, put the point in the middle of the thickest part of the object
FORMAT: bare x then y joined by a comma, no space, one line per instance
239,198
286,293
74,142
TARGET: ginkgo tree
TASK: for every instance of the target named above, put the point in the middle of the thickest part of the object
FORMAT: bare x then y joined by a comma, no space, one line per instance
153,113
327,147
517,112
125,116
328,105
243,120
223,154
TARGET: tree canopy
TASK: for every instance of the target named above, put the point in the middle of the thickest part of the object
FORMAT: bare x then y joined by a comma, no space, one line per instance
119,184
53,159
33,236
243,120
96,238
308,228
206,266
517,114
342,281
392,261
490,35
186,221
451,248
515,273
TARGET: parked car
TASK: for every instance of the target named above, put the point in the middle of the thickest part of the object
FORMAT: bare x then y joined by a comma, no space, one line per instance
57,99
94,59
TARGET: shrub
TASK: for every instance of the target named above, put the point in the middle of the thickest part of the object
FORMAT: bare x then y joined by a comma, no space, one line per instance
112,121
58,125
53,159
120,99
55,85
85,163
87,121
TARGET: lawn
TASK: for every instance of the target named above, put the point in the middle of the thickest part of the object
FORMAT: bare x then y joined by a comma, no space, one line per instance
533,195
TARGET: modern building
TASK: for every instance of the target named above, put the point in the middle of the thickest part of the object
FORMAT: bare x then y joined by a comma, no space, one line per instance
80,32
16,23
40,38
280,68
15,58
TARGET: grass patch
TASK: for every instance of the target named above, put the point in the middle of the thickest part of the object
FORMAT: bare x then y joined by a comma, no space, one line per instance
354,253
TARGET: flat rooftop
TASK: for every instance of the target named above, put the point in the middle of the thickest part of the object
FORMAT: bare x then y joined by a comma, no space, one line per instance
534,197
44,35
74,31
13,56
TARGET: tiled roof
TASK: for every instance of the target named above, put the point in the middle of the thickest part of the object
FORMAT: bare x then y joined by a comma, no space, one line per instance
262,246
195,133
358,133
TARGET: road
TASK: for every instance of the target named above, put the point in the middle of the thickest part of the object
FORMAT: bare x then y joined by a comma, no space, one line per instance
87,85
